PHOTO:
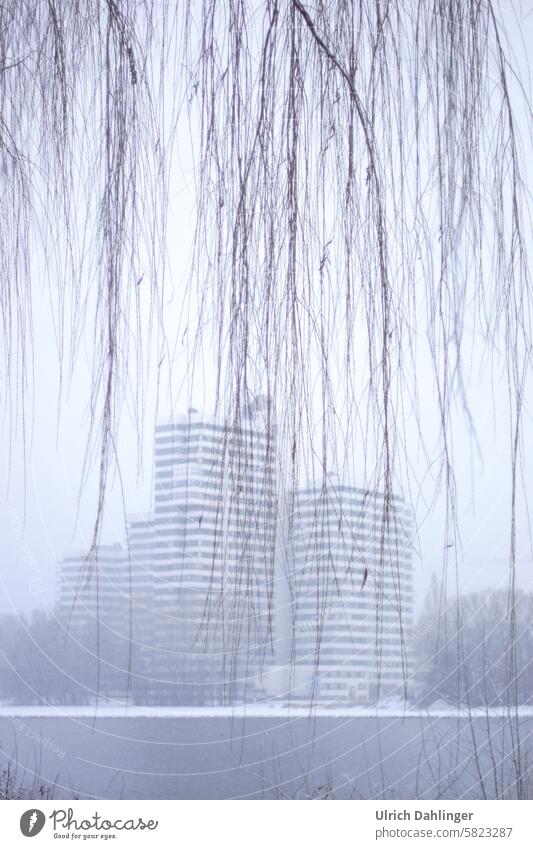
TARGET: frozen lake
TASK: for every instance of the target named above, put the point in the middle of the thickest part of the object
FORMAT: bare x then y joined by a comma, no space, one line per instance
210,754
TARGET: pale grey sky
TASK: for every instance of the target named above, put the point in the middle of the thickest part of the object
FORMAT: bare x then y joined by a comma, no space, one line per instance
42,518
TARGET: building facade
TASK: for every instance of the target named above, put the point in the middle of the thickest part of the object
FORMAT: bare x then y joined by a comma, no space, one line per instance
351,594
213,555
103,605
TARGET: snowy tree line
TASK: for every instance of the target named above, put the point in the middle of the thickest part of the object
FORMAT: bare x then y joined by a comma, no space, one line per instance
459,654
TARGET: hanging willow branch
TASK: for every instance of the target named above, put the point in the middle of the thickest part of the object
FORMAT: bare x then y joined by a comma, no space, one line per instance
360,199
83,200
361,212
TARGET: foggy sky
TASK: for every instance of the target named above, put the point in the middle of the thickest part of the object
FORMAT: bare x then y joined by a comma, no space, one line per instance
43,514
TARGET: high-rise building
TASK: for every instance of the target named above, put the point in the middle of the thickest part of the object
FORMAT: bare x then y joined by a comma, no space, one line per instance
351,594
196,610
213,554
140,542
103,601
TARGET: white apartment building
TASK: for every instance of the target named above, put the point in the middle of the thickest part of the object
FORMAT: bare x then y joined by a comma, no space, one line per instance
95,586
103,603
213,554
351,594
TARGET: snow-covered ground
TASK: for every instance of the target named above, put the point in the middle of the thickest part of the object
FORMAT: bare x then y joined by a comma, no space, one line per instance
266,751
264,709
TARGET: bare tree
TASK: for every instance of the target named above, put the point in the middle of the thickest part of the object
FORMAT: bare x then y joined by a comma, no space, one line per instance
481,677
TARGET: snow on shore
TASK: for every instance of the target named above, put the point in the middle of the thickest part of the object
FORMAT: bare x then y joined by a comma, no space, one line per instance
252,711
